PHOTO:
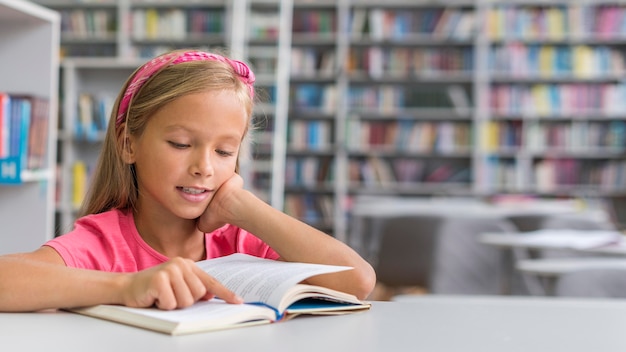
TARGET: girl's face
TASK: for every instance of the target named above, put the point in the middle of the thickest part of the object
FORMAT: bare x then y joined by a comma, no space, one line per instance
188,149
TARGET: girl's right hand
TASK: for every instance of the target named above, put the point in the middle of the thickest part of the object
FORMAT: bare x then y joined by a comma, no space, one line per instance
178,283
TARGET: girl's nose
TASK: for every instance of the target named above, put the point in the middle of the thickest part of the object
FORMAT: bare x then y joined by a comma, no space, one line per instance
202,164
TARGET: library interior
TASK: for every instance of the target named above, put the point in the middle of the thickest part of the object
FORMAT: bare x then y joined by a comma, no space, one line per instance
462,147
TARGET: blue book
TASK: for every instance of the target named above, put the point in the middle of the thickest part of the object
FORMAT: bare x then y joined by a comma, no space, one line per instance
25,119
313,136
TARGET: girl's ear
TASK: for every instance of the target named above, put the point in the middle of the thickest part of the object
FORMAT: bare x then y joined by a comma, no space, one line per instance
126,144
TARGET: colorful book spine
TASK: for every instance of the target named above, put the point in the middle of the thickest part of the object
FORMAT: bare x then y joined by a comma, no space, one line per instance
23,135
79,183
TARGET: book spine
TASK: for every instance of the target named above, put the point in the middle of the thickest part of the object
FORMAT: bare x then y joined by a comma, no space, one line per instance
23,135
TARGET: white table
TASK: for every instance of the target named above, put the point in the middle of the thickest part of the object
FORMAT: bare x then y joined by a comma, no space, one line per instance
517,240
549,269
369,210
428,323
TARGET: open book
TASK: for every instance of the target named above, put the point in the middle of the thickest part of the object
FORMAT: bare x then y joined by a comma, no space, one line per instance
271,291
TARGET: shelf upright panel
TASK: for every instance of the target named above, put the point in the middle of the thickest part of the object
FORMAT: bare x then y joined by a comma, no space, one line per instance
29,60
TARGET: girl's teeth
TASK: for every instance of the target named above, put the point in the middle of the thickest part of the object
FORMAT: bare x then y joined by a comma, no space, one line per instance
192,190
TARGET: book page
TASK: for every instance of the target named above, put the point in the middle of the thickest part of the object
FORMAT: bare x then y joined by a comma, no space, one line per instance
262,280
215,310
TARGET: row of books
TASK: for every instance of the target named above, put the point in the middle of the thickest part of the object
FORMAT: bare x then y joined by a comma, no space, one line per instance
314,21
499,174
517,59
88,50
24,121
260,181
90,23
558,99
554,175
263,25
409,135
307,61
391,98
451,22
309,134
550,174
262,122
93,116
447,136
379,171
147,51
308,171
501,134
578,136
404,61
79,174
263,64
311,95
398,24
557,21
175,23
581,61
315,209
567,136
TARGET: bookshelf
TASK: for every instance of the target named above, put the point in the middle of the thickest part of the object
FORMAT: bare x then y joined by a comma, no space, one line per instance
29,39
405,109
310,158
157,26
139,28
554,121
261,42
89,87
416,98
410,98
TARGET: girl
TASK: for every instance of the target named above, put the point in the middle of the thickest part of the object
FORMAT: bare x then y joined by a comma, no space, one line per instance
165,194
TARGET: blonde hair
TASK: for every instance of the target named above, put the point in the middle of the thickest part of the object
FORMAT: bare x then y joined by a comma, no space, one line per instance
114,183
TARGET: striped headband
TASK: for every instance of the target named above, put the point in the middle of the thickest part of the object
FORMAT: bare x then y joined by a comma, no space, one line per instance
153,66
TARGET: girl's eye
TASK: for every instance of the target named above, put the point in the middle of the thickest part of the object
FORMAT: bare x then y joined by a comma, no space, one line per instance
178,145
224,153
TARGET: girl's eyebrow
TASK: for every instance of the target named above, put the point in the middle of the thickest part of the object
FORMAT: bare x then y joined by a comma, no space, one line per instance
177,127
229,136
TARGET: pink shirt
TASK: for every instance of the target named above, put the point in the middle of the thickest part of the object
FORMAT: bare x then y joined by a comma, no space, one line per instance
109,241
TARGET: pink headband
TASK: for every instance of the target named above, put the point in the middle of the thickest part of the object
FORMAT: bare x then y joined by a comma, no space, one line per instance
151,67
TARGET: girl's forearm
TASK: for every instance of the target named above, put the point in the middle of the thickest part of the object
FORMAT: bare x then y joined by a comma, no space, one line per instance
299,242
31,285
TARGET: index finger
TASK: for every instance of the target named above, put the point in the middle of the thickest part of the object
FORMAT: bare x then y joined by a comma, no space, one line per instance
215,288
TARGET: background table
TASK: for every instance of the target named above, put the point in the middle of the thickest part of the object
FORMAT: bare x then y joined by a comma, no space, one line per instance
551,269
575,259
